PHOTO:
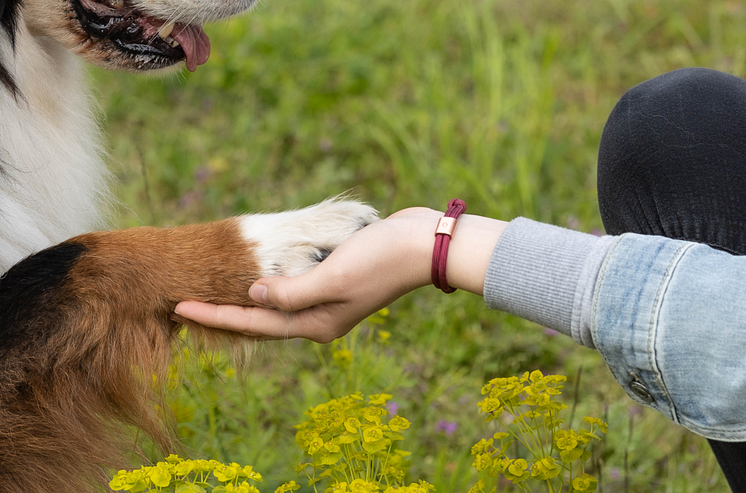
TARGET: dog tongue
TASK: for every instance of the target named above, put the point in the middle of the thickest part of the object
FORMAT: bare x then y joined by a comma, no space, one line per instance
194,42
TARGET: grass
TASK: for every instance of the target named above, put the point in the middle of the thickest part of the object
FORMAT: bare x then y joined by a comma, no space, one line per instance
411,103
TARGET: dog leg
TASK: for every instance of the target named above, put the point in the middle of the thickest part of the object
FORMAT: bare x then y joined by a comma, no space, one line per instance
86,338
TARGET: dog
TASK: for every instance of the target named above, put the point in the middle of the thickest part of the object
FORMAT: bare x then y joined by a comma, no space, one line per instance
85,330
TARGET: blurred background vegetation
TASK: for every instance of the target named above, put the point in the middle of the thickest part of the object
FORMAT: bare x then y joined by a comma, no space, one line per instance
501,103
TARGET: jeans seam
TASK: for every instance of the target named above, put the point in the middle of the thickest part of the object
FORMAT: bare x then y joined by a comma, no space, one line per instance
594,326
653,328
594,310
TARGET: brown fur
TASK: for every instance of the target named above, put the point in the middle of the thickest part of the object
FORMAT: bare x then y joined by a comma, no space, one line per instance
63,405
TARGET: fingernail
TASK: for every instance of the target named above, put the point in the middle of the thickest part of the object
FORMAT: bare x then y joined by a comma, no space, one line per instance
258,293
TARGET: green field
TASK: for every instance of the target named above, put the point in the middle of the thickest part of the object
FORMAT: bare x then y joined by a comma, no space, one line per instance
410,103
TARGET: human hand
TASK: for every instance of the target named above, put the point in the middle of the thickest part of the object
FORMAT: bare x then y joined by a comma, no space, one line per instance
368,271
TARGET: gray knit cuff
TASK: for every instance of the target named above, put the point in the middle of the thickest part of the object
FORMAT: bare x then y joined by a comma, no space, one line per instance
546,274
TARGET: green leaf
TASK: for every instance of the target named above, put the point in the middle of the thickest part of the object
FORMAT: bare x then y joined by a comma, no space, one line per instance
373,447
140,486
330,459
568,456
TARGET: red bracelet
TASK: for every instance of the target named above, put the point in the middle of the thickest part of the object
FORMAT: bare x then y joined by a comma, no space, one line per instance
443,233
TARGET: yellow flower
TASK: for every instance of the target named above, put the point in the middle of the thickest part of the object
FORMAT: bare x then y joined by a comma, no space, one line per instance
482,461
362,486
331,447
398,423
314,445
536,376
226,473
352,424
338,419
421,487
119,481
545,468
244,487
479,487
378,318
161,476
383,336
372,434
379,399
585,483
564,440
373,414
595,421
481,446
500,464
206,465
516,471
343,357
394,472
135,480
491,405
288,487
540,400
518,466
249,472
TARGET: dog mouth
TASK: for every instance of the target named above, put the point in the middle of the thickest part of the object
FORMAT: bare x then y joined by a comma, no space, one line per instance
156,43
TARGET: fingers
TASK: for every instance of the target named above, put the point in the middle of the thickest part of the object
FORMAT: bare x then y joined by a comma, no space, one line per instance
264,323
261,323
219,316
291,294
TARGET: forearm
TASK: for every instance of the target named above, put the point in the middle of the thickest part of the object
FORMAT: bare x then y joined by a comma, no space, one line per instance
546,274
540,272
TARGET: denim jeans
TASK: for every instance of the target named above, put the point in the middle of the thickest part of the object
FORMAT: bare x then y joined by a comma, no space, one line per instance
672,162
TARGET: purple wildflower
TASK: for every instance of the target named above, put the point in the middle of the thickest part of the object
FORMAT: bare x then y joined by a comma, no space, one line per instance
447,427
392,407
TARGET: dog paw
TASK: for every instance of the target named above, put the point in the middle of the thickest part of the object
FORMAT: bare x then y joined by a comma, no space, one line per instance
291,243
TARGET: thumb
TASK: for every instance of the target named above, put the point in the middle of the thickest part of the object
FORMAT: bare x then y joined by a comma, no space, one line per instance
288,294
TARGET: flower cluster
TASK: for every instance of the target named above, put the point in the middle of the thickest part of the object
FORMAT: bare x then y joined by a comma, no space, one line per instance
192,476
362,486
351,446
526,408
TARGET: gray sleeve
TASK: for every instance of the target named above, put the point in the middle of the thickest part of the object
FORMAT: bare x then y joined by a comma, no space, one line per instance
547,274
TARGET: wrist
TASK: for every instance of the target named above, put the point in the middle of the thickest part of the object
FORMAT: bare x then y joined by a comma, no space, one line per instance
412,249
470,251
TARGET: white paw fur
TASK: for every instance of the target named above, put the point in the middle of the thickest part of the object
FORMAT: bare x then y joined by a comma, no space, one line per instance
291,243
